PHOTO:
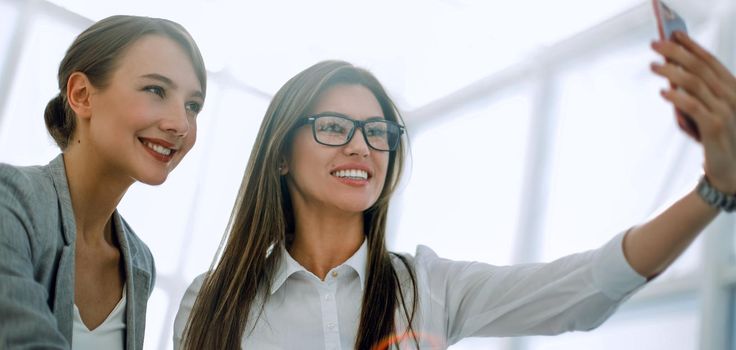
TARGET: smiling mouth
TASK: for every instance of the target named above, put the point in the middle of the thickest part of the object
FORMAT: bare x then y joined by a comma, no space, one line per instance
159,152
158,148
352,174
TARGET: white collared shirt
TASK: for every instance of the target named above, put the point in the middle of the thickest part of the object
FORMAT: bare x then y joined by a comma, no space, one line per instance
457,299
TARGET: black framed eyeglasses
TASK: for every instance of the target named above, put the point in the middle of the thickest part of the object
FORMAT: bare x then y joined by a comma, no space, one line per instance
332,129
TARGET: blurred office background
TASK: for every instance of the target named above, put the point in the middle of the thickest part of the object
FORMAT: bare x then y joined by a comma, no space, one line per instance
536,131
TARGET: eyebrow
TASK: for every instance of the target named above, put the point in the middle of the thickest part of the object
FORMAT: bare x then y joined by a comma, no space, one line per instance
349,117
164,79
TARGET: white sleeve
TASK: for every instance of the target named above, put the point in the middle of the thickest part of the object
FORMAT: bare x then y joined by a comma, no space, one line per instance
577,292
185,308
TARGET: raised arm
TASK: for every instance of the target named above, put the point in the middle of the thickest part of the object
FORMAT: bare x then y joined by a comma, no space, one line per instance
707,92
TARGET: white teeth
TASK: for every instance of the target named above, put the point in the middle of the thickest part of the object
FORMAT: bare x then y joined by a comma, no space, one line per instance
352,173
158,148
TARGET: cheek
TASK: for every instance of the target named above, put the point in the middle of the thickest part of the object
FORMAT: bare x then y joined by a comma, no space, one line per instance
192,136
382,165
381,171
190,140
138,110
305,154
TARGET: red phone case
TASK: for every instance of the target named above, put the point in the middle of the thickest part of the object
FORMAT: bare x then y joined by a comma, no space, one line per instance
668,21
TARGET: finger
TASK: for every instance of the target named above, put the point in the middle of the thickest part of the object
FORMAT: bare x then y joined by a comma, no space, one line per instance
694,86
693,63
695,109
712,62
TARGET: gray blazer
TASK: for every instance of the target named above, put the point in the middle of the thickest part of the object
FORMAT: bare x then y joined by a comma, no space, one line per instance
37,235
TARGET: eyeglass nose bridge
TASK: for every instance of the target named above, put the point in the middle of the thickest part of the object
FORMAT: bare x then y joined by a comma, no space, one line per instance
358,124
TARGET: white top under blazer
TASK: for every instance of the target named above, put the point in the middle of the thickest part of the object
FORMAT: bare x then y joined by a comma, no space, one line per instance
110,335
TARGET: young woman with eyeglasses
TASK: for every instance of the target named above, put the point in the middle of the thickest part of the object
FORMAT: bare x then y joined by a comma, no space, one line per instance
305,265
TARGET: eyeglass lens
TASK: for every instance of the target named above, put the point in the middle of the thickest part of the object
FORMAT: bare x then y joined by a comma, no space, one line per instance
336,131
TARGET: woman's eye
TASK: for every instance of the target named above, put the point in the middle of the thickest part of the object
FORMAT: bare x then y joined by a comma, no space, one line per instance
194,107
332,127
375,132
155,90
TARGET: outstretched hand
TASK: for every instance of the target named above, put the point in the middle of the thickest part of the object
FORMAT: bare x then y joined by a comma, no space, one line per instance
707,93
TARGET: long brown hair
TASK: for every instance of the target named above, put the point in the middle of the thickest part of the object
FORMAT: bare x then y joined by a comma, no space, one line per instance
96,52
263,216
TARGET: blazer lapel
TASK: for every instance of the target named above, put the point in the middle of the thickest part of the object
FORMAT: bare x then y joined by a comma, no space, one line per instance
136,281
63,304
63,307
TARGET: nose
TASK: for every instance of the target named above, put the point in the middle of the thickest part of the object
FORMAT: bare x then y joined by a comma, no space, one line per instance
357,145
175,120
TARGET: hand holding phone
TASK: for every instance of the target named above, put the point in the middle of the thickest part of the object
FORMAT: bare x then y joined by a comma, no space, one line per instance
668,22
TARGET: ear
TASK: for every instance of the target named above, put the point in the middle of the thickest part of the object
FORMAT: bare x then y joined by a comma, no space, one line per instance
78,92
283,167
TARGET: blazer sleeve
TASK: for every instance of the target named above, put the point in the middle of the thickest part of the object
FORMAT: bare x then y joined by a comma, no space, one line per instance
27,322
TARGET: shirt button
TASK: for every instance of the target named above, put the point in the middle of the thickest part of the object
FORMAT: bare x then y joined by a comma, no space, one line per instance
328,297
331,326
334,273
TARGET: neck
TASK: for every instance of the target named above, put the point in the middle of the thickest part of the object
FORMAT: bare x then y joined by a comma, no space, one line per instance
323,241
95,193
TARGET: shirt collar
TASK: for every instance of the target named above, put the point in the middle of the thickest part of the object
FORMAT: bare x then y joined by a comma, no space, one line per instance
359,261
289,266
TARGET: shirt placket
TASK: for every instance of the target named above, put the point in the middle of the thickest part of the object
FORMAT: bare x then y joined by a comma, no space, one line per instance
330,324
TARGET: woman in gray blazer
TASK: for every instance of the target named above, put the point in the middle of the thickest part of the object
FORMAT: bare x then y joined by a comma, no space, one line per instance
130,91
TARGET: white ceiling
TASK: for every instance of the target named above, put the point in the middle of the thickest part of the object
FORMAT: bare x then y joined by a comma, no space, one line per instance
421,50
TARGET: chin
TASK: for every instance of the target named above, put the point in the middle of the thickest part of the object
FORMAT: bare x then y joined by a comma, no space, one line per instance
153,180
357,207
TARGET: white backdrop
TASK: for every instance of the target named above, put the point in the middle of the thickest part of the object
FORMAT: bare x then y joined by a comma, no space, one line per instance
536,131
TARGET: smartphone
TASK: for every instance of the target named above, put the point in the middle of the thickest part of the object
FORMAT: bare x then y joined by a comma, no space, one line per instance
668,22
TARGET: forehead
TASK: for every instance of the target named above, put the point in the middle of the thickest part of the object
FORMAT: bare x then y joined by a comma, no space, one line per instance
353,100
160,55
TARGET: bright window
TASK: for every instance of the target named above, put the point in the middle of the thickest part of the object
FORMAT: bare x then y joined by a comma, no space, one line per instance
23,136
461,198
671,325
